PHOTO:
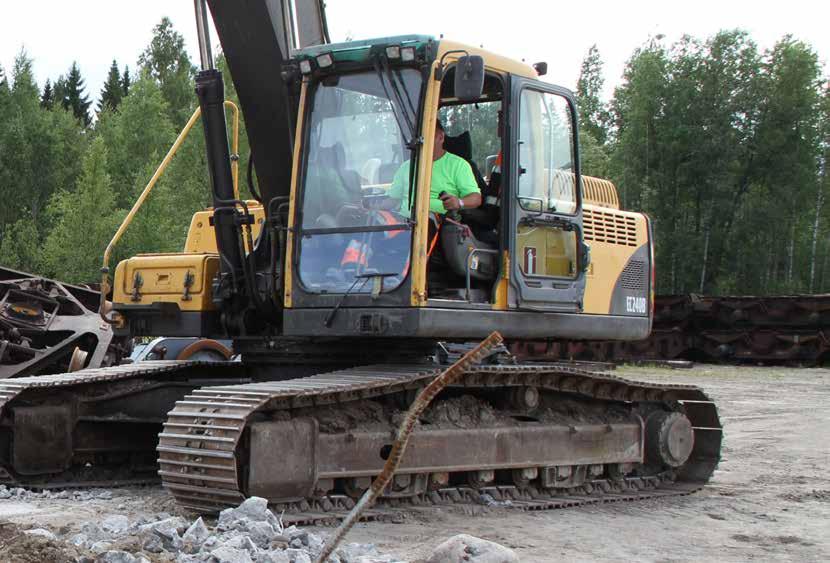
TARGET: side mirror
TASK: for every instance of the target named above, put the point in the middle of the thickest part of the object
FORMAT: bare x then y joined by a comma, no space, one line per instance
469,78
532,204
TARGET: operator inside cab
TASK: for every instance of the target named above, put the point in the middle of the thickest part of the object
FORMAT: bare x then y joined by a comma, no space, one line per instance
453,186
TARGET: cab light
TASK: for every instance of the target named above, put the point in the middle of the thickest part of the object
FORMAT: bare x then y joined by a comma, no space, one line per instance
408,54
325,60
393,52
305,66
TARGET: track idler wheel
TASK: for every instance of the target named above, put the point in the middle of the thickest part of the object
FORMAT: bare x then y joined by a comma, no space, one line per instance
669,438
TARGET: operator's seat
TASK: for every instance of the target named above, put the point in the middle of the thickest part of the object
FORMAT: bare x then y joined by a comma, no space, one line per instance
334,158
461,247
459,242
481,220
462,145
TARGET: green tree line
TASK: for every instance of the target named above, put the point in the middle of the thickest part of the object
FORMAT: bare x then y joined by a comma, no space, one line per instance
724,145
70,172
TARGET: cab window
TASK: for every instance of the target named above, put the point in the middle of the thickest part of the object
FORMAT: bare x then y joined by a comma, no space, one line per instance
546,182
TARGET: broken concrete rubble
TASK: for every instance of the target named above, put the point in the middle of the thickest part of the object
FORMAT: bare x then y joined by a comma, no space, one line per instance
117,556
463,547
42,533
247,533
115,525
227,554
254,509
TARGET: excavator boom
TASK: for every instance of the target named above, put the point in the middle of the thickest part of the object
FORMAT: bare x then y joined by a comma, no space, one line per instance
257,37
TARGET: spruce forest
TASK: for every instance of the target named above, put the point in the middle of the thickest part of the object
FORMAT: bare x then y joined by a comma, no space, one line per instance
723,144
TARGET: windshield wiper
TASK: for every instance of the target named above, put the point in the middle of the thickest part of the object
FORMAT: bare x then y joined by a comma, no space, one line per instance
401,116
396,102
410,105
410,120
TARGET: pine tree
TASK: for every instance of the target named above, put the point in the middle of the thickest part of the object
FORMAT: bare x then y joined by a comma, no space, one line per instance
126,82
593,116
4,88
59,93
167,62
112,92
47,99
77,99
24,87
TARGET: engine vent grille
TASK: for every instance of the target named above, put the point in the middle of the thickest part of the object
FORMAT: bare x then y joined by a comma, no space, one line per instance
599,192
611,228
634,276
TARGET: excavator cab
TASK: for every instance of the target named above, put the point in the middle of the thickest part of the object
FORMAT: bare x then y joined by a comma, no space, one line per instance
369,253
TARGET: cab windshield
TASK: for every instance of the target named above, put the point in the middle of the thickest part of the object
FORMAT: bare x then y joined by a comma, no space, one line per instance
356,143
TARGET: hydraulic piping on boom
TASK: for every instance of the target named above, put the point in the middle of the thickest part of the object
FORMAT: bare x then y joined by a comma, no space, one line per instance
234,280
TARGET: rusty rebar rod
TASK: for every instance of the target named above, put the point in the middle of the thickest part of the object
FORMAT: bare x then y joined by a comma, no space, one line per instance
418,406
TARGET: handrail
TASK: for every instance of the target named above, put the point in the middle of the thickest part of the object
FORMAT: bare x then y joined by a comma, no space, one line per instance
105,286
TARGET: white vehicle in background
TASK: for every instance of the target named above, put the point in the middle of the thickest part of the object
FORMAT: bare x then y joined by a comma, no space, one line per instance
164,348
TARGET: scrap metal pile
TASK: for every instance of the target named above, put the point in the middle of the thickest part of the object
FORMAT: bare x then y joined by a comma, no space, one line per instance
731,329
47,326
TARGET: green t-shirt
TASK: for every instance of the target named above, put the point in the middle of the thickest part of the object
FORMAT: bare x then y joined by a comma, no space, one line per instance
450,173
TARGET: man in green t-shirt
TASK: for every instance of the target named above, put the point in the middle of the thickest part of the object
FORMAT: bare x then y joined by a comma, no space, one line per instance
451,175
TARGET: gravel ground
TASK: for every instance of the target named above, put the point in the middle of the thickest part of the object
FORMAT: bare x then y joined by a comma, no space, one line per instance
769,499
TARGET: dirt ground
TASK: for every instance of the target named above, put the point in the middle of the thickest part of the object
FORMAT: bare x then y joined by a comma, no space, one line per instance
769,499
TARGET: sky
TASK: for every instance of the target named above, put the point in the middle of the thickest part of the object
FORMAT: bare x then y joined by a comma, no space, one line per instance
94,32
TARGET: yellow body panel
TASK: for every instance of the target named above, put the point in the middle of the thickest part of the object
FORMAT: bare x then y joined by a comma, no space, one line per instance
613,236
492,61
201,237
163,275
162,279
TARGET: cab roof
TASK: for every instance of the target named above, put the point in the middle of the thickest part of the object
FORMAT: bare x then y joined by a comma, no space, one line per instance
356,51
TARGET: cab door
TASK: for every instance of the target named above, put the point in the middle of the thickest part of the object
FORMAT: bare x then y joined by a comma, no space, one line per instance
549,257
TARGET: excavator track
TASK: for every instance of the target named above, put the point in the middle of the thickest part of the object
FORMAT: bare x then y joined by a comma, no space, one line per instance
205,447
94,427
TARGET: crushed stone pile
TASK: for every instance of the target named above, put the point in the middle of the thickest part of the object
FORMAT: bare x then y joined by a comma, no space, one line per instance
18,493
249,533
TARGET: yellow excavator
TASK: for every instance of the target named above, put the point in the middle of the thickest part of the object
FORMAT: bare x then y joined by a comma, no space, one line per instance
344,293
